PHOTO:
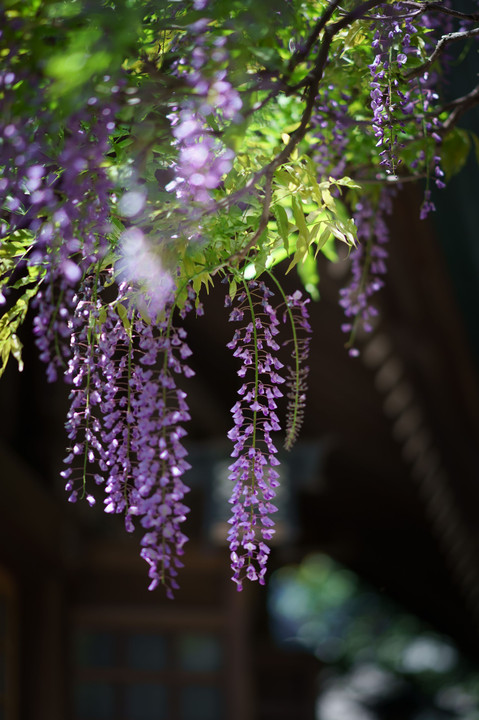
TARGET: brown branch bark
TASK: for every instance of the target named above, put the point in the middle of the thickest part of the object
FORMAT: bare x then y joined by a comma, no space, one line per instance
441,45
458,107
427,6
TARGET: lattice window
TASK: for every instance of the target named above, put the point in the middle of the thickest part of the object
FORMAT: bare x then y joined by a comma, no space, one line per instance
170,671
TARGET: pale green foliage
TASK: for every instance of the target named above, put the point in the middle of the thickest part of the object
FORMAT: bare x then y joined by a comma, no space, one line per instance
12,253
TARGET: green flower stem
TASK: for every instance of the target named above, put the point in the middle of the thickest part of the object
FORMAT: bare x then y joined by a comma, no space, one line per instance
256,373
256,385
291,431
128,408
90,338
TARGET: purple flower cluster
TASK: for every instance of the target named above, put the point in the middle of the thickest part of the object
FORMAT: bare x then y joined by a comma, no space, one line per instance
253,470
100,416
368,266
201,163
419,101
126,423
202,158
21,153
431,128
330,125
61,197
75,201
393,45
83,422
159,409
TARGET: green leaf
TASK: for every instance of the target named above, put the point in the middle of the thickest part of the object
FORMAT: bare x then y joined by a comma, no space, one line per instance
123,314
266,55
454,151
276,257
283,224
16,350
346,182
328,199
9,324
329,250
300,220
323,238
308,272
285,179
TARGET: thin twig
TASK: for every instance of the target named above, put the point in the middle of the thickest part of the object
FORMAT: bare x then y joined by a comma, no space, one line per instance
329,33
459,107
304,51
268,196
427,6
441,44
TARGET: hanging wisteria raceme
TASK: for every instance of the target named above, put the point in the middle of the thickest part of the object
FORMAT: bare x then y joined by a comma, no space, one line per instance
125,423
429,124
74,235
253,471
391,44
23,187
100,418
84,422
330,125
159,411
394,102
60,197
368,267
296,313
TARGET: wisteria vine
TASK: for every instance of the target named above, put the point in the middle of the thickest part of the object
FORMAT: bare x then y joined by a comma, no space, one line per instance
199,143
